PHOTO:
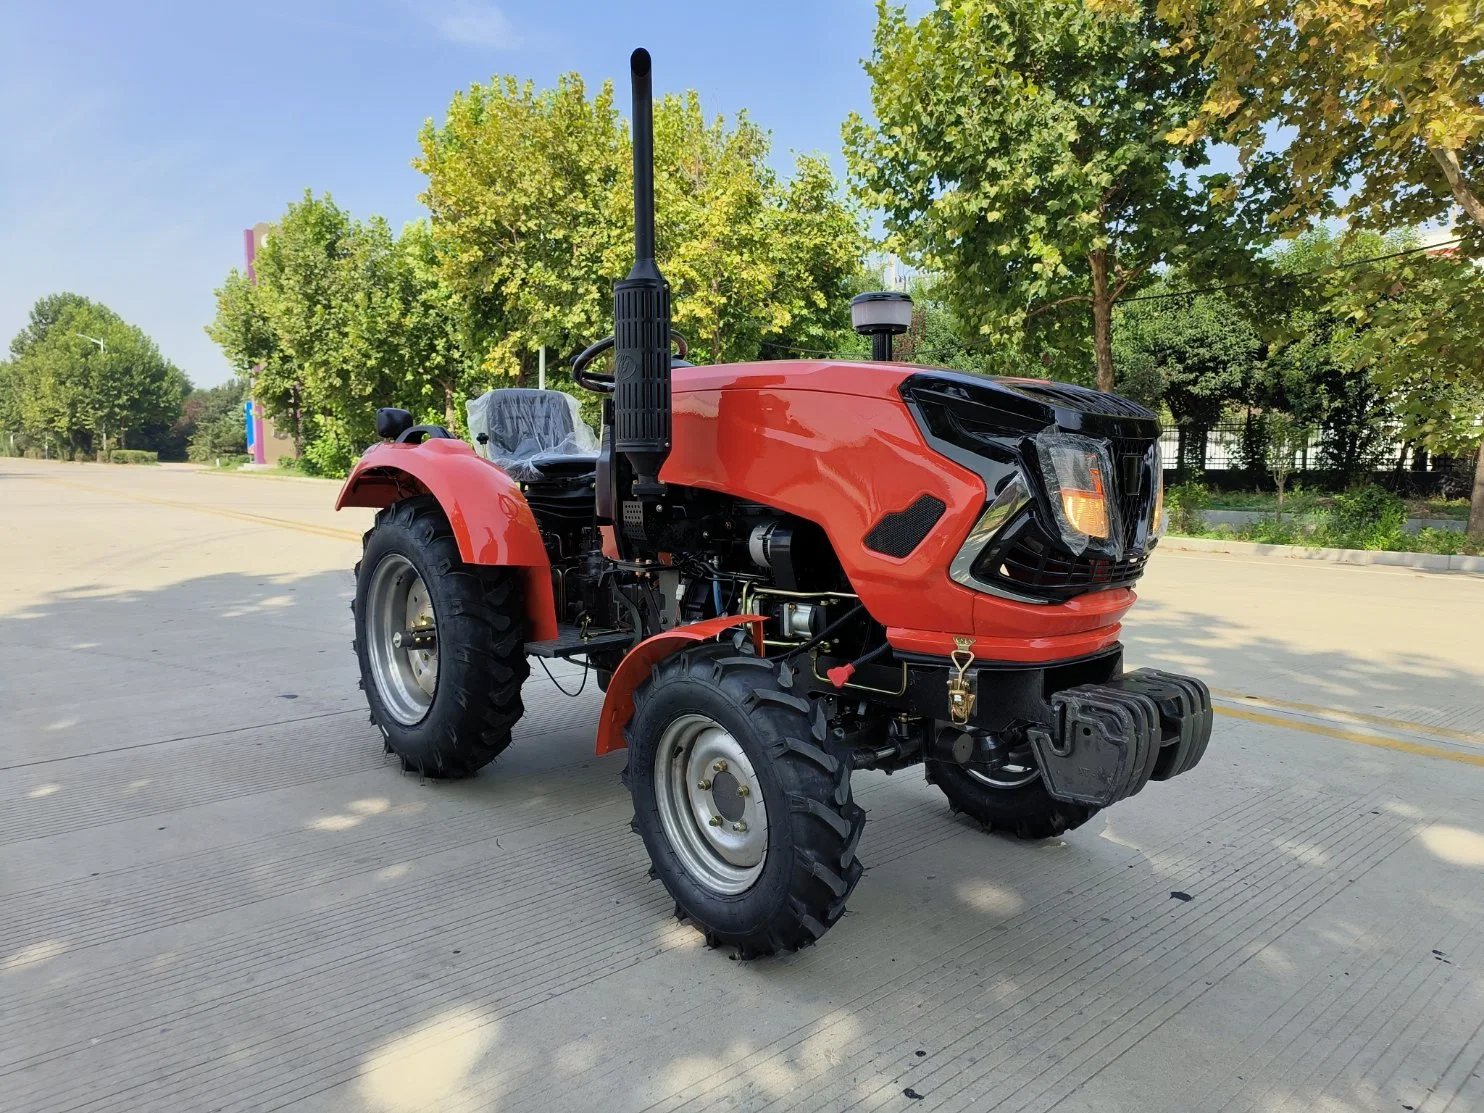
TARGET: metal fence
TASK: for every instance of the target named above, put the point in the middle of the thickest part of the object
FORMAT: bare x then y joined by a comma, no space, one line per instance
1397,465
1224,448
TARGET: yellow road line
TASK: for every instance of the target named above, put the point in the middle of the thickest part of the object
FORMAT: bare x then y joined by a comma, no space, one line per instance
1361,717
1353,736
310,528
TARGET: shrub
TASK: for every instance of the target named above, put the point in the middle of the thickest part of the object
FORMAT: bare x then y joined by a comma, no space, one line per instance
1368,517
1453,542
1187,503
132,456
1274,532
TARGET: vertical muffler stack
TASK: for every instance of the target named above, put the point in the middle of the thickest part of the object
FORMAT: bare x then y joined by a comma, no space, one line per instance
641,313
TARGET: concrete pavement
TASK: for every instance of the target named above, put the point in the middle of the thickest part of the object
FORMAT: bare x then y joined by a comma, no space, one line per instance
218,894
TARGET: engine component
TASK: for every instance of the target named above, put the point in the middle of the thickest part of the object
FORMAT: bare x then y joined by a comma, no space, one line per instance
641,315
801,620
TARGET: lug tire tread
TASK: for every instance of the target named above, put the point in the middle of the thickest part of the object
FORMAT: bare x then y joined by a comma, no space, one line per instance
1027,812
470,721
824,824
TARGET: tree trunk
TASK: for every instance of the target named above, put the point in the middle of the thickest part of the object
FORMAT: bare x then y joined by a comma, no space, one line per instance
1447,158
450,415
1102,319
1476,500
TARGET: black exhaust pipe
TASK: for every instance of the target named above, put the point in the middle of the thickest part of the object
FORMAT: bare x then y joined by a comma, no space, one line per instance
641,315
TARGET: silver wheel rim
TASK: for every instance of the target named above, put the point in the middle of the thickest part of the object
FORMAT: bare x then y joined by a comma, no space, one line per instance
398,605
711,804
1007,774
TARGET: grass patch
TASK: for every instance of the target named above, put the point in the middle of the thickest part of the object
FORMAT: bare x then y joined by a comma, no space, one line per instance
1300,501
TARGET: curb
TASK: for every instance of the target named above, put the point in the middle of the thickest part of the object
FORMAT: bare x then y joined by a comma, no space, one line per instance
1436,562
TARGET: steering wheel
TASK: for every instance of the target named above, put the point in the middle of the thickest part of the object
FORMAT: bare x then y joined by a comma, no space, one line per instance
600,382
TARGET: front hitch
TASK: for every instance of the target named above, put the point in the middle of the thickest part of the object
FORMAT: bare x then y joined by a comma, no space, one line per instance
1107,741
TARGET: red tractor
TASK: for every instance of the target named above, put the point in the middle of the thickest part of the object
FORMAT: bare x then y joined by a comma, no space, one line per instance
780,573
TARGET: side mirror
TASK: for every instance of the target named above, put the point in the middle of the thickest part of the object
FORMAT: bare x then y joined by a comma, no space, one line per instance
391,423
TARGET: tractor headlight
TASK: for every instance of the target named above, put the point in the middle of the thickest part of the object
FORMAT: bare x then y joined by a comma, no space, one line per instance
1157,519
1079,481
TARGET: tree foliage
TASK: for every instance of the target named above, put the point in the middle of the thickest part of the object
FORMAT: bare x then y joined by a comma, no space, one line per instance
1197,352
1423,339
1384,100
214,421
82,381
344,317
531,198
1020,151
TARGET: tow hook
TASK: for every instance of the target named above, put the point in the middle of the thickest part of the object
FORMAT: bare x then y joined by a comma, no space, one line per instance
961,694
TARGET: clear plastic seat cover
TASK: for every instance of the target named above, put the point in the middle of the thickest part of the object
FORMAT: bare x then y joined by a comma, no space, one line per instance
521,424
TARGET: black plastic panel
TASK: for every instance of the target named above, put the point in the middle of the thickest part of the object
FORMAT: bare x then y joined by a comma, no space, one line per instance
898,533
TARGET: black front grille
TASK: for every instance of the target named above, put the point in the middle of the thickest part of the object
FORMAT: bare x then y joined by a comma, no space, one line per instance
1134,481
989,426
1028,563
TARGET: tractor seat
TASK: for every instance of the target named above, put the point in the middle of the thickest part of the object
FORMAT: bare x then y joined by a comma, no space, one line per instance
533,434
563,465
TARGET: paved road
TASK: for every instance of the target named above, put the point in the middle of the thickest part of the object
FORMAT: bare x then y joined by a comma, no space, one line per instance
219,895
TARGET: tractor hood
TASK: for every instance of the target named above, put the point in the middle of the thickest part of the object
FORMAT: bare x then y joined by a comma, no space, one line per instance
1012,405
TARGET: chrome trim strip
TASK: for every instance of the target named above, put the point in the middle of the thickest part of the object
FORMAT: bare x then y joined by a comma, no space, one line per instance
996,515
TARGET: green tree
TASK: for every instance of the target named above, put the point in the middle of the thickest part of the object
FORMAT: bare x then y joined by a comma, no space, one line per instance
1197,352
344,317
531,200
1020,152
1380,105
215,421
1315,371
86,380
525,190
1424,340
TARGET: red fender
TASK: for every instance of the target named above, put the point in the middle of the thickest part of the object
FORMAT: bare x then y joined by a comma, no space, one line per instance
490,518
618,706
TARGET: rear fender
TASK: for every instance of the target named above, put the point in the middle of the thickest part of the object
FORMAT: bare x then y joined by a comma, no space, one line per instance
491,520
618,707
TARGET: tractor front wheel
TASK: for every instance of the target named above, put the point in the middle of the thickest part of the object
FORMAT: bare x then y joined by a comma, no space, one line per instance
742,801
1009,796
440,643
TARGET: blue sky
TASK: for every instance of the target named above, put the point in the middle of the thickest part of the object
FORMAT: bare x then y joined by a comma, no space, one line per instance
141,138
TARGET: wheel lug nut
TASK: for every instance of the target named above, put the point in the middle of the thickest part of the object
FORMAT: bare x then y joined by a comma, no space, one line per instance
720,767
397,639
703,785
740,825
743,790
715,821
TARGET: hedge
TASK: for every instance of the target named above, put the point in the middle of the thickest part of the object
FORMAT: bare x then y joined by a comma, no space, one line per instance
133,456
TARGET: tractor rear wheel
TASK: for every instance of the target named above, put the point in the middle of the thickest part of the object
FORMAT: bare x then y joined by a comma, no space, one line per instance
440,643
742,801
1009,797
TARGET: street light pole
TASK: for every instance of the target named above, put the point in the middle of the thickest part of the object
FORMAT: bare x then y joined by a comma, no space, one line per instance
102,347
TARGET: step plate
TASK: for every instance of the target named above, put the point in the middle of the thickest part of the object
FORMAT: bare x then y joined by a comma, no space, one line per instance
570,642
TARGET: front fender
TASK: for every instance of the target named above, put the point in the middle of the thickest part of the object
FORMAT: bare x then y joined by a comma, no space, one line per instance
618,706
491,520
